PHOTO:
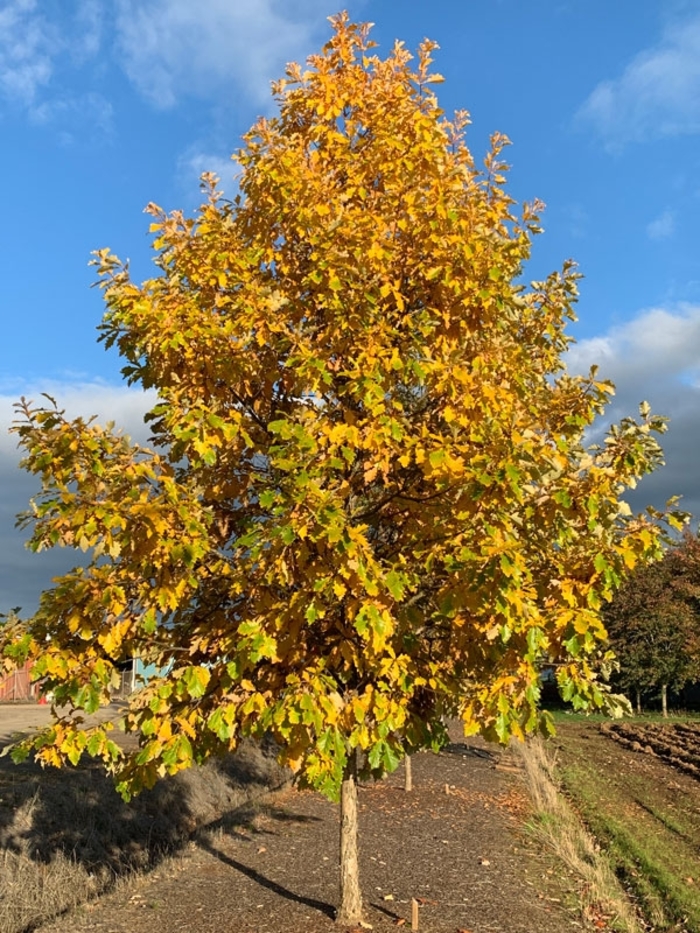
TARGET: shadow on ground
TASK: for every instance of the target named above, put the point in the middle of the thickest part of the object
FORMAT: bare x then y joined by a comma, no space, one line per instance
71,824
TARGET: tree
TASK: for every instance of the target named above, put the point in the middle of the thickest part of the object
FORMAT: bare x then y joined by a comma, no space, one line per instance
654,622
369,504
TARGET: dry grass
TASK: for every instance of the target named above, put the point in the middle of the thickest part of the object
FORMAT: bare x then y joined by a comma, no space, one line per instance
556,824
31,892
66,836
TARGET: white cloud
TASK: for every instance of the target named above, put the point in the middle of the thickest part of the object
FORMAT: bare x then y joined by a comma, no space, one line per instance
90,19
172,48
72,114
121,404
662,227
658,93
38,51
28,45
168,49
656,358
23,574
192,166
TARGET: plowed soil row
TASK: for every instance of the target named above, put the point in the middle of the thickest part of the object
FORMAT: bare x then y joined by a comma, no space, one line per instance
678,744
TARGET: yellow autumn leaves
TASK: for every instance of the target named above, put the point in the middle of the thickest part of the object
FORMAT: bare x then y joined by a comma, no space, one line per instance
371,504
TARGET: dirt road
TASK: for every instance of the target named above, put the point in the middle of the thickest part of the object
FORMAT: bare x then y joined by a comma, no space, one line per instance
17,718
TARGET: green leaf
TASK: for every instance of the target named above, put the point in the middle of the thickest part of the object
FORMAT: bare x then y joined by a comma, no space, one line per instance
395,583
268,498
196,680
287,534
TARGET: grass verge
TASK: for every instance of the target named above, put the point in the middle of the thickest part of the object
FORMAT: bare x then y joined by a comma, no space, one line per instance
603,900
647,818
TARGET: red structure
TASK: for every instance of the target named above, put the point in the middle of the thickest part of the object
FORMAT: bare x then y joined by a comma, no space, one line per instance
18,687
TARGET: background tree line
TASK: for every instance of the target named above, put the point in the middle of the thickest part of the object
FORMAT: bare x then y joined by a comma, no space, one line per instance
654,624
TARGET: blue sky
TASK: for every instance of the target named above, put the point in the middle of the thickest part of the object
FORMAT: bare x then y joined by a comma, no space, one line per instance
106,105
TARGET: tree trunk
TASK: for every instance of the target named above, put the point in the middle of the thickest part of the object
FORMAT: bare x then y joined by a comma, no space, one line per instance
408,776
639,702
664,701
350,909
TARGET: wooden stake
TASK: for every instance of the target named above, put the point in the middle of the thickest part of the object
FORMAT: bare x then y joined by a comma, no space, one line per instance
414,914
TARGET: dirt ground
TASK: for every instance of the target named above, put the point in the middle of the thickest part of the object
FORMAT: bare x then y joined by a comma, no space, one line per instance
457,843
677,744
25,717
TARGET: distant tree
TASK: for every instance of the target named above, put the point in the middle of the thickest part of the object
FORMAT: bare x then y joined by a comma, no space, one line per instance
654,623
369,504
685,563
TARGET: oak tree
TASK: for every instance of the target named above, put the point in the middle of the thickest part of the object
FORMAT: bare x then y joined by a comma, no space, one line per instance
369,503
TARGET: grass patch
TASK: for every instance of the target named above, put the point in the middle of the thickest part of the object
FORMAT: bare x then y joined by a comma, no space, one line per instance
564,716
647,823
602,899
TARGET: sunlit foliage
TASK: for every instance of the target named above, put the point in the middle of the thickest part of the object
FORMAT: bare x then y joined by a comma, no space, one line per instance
369,502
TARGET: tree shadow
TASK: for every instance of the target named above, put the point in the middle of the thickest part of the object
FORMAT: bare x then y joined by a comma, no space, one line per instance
231,821
74,815
327,909
391,914
462,749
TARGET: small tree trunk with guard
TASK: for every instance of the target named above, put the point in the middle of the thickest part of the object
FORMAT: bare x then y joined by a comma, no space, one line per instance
350,909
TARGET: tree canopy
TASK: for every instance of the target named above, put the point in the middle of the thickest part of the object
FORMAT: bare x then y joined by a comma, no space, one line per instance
654,620
369,501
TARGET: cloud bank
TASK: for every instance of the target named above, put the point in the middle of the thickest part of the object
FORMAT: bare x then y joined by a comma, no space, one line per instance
657,94
23,575
168,49
656,358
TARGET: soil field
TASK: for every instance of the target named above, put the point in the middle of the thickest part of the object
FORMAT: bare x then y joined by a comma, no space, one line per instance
455,843
676,744
459,843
